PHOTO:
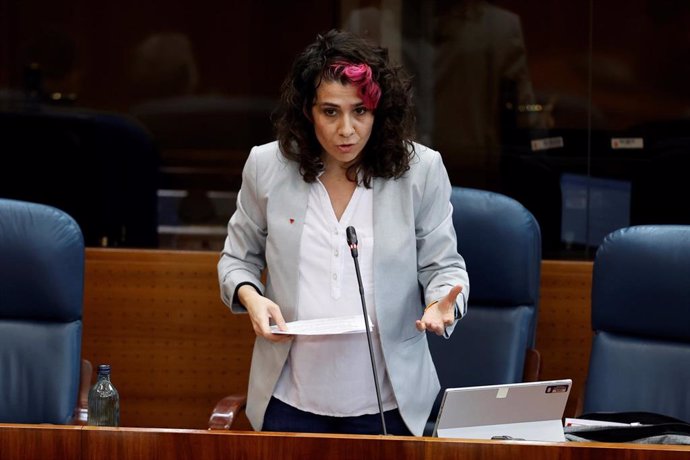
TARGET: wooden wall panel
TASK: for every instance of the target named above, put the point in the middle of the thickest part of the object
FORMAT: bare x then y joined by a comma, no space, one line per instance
564,333
157,318
174,347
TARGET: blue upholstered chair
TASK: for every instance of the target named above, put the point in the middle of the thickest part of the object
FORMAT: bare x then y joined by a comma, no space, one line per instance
640,360
501,243
41,298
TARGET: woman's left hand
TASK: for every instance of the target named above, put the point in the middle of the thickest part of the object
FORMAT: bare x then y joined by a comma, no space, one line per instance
440,314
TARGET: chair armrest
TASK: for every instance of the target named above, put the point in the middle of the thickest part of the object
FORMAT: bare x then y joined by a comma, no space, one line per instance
532,368
225,412
81,412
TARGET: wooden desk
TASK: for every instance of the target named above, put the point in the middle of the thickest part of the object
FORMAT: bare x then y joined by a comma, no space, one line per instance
40,442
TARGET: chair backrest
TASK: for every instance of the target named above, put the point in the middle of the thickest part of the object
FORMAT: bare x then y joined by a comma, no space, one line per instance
41,299
640,360
501,243
101,168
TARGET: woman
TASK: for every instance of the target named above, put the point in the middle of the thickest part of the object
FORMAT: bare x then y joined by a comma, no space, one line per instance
343,158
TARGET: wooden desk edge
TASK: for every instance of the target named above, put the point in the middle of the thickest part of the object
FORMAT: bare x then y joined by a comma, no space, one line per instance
144,443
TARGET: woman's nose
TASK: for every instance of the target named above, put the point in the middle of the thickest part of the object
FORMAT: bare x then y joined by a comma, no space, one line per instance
346,129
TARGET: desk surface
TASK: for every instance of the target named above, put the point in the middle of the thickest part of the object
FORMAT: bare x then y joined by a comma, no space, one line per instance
29,442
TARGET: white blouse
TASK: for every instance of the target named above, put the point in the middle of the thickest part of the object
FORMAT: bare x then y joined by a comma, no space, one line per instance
332,375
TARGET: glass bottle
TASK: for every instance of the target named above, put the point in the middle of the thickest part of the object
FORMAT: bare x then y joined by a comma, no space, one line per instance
104,400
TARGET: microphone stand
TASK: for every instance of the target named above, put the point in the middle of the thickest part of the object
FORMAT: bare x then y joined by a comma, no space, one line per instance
352,242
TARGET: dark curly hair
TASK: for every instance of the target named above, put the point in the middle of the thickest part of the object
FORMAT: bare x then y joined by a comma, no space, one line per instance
389,149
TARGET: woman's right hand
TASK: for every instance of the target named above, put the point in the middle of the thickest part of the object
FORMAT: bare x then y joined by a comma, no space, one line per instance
261,310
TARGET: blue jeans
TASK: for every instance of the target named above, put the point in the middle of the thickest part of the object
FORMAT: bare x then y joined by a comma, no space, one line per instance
283,417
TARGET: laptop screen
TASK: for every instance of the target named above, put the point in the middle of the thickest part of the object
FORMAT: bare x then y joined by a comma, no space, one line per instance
529,411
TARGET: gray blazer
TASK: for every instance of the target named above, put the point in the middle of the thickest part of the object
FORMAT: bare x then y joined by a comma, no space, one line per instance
415,262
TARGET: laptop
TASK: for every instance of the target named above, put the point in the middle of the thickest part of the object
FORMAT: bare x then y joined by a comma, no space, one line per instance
531,411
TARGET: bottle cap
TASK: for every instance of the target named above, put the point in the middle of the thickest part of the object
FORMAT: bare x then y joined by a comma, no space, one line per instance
104,369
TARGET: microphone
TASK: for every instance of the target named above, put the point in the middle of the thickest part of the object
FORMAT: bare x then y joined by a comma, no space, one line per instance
352,242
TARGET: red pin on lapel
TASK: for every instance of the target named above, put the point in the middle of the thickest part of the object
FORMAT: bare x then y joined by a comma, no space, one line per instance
292,221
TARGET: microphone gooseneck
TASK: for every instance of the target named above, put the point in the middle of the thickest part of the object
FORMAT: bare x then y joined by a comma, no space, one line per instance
352,242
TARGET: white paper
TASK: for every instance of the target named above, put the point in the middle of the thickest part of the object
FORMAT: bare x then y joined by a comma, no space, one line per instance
326,326
587,422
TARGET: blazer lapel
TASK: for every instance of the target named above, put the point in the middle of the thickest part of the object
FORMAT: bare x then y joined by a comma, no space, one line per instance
383,229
